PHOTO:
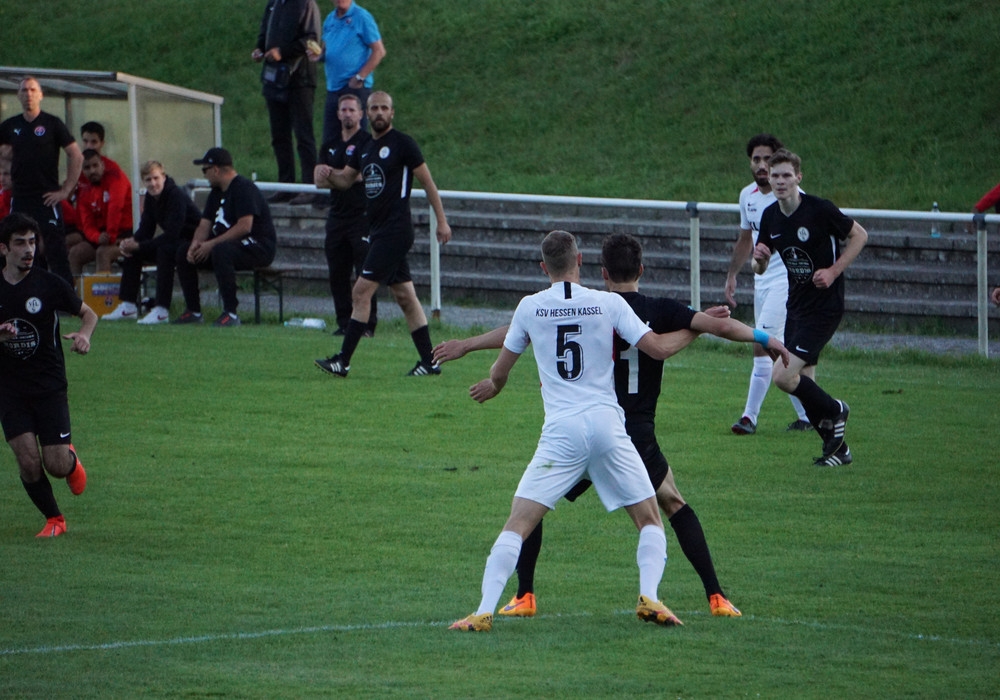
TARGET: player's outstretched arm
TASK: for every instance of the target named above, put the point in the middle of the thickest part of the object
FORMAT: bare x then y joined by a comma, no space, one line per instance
731,329
499,372
81,338
660,346
454,349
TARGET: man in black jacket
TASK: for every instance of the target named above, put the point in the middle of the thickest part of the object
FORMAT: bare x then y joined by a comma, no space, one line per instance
288,44
169,208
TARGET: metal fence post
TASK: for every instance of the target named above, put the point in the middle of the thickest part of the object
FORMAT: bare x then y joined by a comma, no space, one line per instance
983,292
435,266
692,209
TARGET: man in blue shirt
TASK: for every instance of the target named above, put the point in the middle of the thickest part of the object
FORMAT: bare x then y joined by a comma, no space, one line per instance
352,48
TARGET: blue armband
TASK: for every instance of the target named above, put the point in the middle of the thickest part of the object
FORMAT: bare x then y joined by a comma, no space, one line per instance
760,337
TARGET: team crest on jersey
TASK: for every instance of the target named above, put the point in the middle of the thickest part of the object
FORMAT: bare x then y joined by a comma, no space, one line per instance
803,234
33,305
383,152
350,150
39,130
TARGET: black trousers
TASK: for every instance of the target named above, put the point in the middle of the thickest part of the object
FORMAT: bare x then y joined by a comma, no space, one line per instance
346,248
163,252
288,117
52,248
225,259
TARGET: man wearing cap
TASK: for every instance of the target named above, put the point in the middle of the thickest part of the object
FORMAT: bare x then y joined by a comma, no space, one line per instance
235,233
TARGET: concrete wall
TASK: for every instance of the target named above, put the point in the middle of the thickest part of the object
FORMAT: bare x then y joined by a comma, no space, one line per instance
904,279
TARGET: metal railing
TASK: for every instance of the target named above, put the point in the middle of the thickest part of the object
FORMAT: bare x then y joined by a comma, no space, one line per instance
694,210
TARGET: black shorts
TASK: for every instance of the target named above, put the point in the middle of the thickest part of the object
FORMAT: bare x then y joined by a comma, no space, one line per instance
806,337
386,260
46,417
644,438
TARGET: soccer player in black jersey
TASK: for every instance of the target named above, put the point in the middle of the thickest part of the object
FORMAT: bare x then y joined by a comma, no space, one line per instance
637,386
34,139
817,242
33,407
387,164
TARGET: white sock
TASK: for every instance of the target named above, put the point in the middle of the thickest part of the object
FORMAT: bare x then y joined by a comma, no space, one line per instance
760,382
651,556
800,410
500,565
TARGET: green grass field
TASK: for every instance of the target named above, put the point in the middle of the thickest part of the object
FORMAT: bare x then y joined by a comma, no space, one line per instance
253,528
891,104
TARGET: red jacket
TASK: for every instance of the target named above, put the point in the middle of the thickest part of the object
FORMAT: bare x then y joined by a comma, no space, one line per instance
106,206
989,199
4,203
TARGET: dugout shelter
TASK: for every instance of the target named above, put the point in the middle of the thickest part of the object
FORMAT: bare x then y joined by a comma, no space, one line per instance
143,119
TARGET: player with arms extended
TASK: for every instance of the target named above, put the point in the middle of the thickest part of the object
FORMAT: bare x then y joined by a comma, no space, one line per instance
817,242
572,329
33,407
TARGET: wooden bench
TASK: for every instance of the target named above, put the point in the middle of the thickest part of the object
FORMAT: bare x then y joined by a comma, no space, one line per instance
265,279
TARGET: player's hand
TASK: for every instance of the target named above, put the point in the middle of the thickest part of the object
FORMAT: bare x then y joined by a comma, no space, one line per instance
50,199
7,331
127,246
81,343
484,390
775,348
321,172
730,290
721,311
273,55
257,55
995,296
449,350
824,279
443,232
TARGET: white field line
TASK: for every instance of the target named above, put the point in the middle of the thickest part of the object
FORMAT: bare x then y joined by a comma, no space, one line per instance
319,629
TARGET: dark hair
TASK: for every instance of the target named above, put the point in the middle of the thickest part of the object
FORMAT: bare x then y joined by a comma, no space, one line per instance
783,155
89,153
559,252
768,140
350,96
17,223
621,256
93,128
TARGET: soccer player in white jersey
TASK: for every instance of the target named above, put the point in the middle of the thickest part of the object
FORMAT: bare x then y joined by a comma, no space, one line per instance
572,329
770,289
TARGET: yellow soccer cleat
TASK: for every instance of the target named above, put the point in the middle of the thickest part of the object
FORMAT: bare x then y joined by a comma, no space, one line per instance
655,611
474,623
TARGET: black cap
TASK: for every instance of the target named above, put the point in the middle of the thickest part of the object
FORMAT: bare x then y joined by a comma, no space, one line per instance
215,156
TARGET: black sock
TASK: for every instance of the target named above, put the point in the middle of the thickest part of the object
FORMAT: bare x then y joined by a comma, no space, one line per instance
40,493
818,403
422,340
352,336
530,548
691,538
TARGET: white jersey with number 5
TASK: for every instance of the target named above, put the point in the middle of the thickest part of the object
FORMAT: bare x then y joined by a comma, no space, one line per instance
572,329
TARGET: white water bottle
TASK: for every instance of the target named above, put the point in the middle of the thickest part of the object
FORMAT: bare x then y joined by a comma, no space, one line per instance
935,229
317,323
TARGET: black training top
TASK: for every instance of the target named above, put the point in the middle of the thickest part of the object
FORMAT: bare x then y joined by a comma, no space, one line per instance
387,166
173,211
242,198
32,363
807,241
36,144
349,204
637,375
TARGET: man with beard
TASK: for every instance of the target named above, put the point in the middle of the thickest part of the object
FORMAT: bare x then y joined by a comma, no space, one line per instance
770,289
388,163
34,410
346,244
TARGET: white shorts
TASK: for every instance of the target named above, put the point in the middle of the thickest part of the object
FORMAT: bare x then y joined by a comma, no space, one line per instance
592,445
769,310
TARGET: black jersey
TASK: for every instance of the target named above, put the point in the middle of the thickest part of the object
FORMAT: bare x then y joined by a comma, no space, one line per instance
807,241
387,166
32,362
350,204
637,375
35,165
241,198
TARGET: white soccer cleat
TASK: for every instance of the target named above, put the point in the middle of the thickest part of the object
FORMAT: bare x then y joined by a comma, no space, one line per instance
125,311
157,315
